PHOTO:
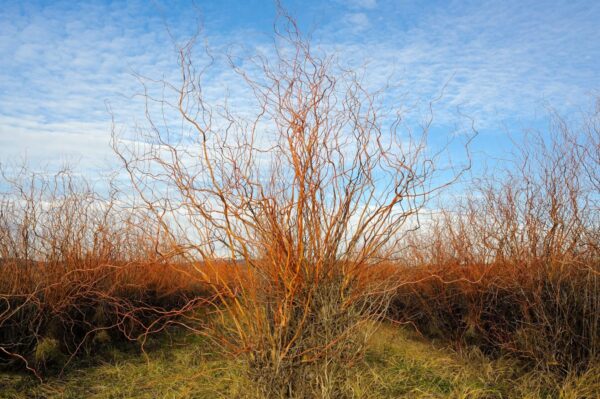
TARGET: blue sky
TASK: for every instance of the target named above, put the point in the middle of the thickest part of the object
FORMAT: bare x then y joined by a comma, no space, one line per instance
502,62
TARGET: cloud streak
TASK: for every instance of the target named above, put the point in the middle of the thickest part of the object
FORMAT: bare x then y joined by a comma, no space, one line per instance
500,61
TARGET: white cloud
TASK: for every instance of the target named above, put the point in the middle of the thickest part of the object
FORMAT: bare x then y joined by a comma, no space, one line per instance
60,63
357,21
361,4
499,60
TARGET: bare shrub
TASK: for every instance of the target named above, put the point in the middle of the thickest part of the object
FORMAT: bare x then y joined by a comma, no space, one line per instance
307,196
514,267
76,266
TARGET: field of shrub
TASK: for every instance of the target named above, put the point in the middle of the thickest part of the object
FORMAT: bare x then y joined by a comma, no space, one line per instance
302,265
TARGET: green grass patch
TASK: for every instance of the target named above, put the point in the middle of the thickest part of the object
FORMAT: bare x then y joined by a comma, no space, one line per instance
398,364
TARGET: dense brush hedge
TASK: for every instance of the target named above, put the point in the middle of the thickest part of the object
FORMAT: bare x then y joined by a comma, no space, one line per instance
45,327
547,315
513,266
77,271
